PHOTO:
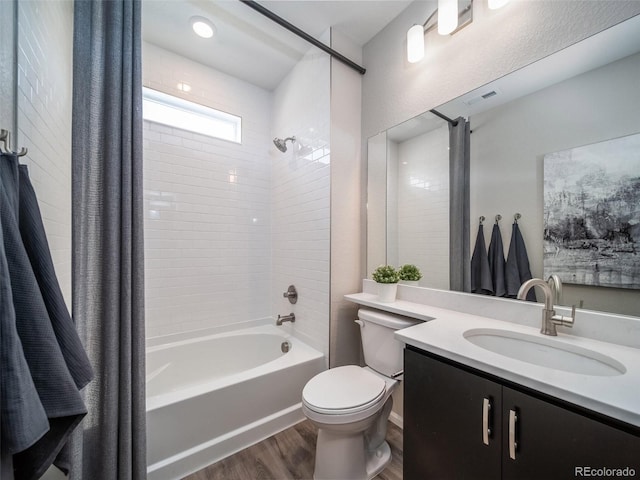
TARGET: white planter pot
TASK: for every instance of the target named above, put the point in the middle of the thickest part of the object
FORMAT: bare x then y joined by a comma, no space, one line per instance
412,283
387,292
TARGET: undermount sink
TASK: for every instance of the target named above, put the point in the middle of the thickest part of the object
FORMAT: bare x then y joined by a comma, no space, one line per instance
545,352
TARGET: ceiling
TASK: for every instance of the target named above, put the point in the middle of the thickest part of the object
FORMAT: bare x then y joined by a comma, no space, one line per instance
248,45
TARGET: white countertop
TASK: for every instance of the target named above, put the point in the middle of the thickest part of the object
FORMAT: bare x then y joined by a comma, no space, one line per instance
615,396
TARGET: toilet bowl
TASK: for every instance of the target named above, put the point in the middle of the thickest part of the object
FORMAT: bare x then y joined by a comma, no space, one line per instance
350,405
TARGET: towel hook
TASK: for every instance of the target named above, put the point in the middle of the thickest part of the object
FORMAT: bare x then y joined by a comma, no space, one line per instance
23,151
482,219
498,218
4,138
517,217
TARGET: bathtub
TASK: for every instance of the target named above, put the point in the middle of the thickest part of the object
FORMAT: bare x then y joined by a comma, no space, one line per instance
212,396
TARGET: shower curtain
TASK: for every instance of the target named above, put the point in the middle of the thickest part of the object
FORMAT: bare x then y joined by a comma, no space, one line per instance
107,279
459,233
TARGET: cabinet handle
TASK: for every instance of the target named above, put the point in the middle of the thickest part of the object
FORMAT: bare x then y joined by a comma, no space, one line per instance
486,430
513,444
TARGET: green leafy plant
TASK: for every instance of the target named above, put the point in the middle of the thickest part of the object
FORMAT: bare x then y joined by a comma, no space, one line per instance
409,272
385,274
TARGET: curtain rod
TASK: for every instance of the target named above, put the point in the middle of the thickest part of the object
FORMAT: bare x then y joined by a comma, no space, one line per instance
302,34
444,117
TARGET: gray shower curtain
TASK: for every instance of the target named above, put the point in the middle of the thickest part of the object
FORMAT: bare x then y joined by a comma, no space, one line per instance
459,233
108,291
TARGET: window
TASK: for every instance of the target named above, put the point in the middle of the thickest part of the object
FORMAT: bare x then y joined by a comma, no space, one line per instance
175,112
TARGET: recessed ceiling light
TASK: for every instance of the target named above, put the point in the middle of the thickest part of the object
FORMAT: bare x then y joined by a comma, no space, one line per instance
203,27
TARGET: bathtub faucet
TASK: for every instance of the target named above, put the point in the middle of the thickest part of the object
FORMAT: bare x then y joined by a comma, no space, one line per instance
285,318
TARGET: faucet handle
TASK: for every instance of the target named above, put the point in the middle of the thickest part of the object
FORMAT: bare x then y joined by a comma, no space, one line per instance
565,321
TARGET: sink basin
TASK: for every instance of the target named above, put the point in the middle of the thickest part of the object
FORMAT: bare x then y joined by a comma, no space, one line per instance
545,352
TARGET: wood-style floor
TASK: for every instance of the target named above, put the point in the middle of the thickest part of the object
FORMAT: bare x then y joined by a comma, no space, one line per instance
289,455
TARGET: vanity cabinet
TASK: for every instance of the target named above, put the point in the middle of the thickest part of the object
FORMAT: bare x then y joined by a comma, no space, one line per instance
463,424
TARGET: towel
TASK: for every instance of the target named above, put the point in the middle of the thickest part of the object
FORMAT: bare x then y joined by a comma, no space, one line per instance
496,262
56,388
23,419
480,271
517,269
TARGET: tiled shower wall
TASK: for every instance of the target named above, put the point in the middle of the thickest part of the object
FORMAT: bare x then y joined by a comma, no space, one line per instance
45,48
301,198
229,227
207,216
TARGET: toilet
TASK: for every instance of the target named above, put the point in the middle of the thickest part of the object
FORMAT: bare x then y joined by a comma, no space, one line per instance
350,405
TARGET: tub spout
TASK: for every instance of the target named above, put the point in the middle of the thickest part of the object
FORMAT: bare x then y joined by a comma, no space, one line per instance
286,318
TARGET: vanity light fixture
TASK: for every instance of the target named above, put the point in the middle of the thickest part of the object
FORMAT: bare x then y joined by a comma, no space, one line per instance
449,18
202,26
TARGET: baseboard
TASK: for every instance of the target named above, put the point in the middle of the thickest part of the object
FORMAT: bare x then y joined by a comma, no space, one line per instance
396,419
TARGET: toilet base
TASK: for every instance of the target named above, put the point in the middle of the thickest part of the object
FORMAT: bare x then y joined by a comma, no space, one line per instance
356,451
343,458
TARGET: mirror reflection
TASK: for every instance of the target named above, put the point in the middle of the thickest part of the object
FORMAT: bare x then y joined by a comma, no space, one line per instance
579,96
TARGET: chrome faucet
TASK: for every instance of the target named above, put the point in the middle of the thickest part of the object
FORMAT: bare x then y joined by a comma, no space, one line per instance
556,287
549,317
286,318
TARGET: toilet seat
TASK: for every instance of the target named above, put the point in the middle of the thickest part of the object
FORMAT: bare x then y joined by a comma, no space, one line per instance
344,390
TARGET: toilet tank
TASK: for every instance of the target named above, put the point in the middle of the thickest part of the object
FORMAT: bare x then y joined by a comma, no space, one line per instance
382,351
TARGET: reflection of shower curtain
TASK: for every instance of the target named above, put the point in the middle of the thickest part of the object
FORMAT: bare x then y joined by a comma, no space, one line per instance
459,233
42,405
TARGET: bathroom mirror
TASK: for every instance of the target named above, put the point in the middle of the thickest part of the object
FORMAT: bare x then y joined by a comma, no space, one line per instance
584,94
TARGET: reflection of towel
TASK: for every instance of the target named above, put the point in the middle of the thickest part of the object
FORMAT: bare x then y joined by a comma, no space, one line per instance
40,334
517,269
496,262
480,271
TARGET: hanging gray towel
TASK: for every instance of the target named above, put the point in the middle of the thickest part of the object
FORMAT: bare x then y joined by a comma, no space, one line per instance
55,385
22,418
517,269
496,262
480,271
36,245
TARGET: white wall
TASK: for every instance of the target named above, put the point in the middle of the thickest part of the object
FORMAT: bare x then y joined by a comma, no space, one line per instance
45,50
346,192
507,162
207,215
300,181
422,213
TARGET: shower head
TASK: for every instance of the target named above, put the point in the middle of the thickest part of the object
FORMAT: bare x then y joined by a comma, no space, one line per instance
282,144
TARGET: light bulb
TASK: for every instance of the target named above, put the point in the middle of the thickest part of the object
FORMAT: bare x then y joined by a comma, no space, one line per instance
203,27
415,44
447,16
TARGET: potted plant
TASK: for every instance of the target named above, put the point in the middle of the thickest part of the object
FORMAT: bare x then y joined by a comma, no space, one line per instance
409,274
387,278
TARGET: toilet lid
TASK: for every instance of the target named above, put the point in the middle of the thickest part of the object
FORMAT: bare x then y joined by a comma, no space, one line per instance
349,388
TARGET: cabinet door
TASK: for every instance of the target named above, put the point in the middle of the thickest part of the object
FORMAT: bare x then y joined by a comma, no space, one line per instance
444,437
554,443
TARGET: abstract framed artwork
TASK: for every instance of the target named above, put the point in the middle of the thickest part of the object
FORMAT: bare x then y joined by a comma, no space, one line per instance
592,214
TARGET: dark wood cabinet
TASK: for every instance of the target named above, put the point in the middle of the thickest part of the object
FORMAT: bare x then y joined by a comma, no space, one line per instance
461,424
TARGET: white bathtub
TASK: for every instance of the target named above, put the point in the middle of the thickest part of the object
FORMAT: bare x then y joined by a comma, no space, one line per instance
212,396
